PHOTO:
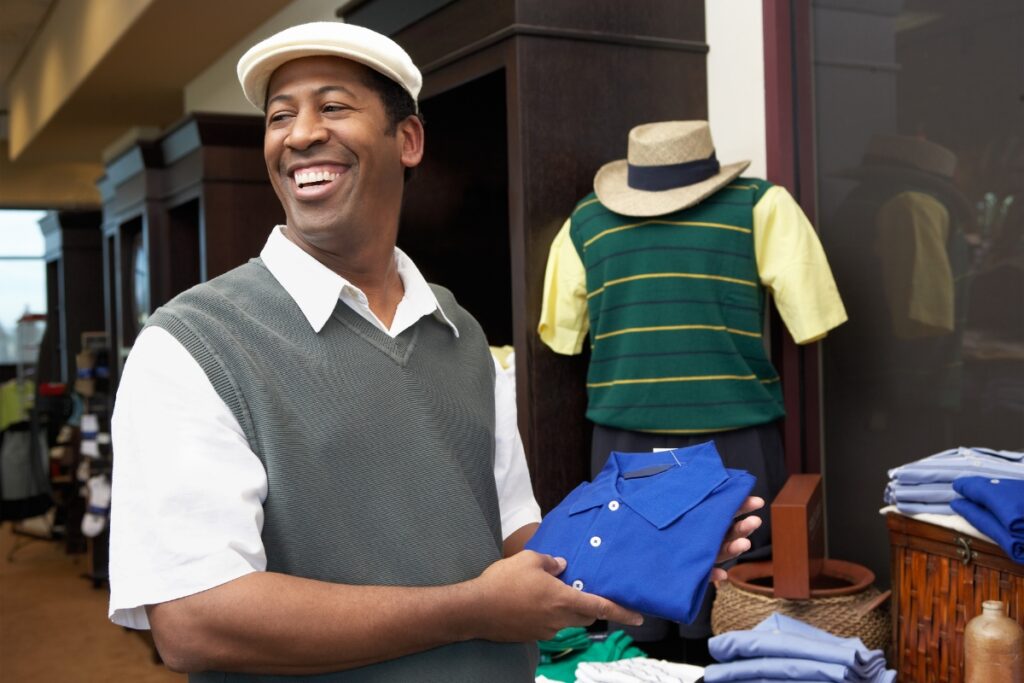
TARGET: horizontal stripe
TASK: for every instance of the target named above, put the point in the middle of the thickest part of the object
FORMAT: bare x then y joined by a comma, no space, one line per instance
676,302
586,203
673,328
705,250
699,404
741,187
663,380
703,430
773,380
650,276
681,354
694,224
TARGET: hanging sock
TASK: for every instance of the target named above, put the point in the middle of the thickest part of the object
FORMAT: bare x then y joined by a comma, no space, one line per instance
98,508
90,429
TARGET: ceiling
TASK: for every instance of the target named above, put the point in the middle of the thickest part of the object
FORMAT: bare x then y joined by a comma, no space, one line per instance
77,75
19,20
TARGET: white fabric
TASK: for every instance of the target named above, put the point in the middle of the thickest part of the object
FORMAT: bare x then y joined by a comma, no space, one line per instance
637,670
187,489
954,522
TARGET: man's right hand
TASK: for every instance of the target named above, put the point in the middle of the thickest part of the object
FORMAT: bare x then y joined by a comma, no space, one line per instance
522,600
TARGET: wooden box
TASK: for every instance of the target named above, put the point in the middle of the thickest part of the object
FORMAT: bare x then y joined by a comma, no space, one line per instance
939,579
798,536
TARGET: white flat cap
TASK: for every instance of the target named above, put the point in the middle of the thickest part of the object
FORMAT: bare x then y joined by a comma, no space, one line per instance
357,43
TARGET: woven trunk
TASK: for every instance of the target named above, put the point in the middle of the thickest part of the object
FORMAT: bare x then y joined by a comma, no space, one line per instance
940,580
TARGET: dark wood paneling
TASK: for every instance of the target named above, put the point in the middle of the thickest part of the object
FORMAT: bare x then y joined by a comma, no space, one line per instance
200,196
681,20
577,76
789,126
602,90
236,220
454,27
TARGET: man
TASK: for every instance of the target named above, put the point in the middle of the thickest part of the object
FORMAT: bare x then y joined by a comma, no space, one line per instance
313,486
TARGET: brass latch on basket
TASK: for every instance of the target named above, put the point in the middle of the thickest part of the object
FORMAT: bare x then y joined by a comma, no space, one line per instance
964,551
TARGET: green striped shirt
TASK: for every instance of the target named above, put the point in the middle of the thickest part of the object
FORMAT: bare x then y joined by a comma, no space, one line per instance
676,309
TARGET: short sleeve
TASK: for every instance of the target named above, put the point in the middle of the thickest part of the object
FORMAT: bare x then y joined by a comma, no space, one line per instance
186,510
511,475
792,265
564,321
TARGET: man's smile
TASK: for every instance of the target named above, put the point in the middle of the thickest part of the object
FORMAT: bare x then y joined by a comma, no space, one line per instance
317,180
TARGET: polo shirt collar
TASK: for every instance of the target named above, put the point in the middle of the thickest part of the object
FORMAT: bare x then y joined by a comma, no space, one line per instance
315,288
660,487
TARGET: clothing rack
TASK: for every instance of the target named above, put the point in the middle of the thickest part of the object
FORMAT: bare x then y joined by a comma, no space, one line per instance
31,515
94,387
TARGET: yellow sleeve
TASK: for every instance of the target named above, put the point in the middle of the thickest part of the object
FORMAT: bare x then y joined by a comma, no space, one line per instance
792,265
564,322
917,276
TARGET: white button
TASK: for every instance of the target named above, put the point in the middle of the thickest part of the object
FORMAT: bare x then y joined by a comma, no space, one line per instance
613,506
994,481
577,584
595,541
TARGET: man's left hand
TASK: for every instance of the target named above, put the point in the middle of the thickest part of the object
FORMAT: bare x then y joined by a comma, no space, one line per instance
736,541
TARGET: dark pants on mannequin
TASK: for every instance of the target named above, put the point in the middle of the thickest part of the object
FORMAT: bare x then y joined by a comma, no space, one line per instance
758,450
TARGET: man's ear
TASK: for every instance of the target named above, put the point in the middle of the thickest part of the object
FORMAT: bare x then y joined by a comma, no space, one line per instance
410,135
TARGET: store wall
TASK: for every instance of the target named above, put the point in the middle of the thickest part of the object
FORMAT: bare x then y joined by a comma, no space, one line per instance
217,89
735,37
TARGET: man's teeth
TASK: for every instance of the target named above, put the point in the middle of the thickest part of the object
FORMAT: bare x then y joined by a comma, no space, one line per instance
303,178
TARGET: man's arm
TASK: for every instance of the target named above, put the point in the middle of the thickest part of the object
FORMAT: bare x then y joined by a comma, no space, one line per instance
278,624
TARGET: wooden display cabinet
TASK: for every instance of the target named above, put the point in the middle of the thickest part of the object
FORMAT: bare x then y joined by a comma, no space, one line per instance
524,100
74,284
177,211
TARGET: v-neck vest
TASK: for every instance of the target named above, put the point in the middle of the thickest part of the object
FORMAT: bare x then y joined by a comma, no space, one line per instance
379,451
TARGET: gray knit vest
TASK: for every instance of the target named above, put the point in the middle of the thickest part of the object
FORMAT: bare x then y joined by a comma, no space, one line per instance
379,452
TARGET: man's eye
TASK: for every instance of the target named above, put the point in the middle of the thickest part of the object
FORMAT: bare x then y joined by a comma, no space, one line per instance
278,116
328,108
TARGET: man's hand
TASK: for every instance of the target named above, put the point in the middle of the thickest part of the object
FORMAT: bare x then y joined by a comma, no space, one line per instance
736,541
524,601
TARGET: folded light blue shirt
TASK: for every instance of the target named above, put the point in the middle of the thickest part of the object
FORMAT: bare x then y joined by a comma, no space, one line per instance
960,462
645,533
919,493
783,648
996,508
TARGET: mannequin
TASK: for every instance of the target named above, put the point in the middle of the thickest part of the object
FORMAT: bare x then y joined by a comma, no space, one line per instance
666,266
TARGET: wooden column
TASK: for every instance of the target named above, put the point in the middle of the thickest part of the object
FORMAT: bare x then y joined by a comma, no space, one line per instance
537,96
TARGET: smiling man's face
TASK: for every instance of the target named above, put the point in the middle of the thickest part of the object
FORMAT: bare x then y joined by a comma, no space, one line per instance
331,160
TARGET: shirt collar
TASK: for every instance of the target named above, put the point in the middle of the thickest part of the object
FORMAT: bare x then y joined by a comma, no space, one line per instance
689,476
315,288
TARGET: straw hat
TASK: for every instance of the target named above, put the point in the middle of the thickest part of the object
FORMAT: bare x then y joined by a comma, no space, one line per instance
670,165
332,38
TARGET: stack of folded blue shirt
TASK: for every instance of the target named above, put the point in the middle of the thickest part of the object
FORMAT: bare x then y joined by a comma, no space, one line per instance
995,506
927,485
781,648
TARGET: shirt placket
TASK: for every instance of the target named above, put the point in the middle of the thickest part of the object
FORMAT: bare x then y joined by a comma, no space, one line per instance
598,539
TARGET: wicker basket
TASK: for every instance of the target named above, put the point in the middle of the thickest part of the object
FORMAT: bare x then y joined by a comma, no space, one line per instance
858,615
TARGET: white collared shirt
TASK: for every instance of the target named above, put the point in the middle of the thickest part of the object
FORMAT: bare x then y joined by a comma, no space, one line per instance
188,491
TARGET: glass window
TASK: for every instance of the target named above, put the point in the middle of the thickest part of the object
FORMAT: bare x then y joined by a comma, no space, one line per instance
23,278
920,170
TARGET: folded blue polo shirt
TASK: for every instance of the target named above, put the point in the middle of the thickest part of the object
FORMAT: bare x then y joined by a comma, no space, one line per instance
995,507
645,533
